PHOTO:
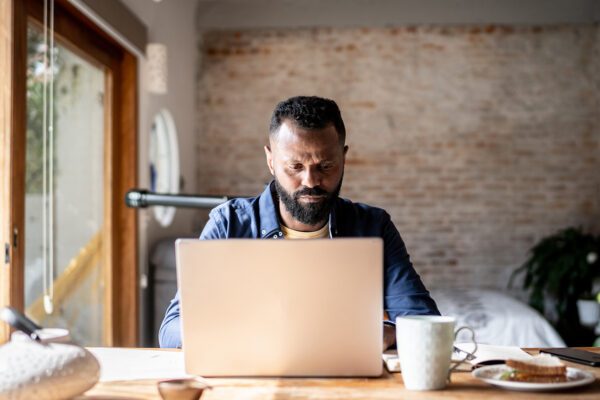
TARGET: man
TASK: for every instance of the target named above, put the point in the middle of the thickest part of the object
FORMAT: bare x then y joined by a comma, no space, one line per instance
306,156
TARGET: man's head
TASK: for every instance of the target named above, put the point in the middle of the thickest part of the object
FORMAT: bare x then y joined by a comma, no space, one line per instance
308,112
306,156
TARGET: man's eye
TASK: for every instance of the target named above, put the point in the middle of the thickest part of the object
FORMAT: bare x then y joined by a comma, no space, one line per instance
326,167
296,167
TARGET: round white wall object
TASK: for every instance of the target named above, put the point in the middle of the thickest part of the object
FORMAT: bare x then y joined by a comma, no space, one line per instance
164,163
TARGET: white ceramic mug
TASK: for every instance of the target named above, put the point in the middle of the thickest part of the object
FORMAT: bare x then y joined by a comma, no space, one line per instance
425,344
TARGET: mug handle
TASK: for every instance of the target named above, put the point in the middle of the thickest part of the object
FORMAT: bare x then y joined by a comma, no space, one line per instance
468,355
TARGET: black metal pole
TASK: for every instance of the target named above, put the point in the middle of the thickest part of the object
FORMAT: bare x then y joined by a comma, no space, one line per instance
139,198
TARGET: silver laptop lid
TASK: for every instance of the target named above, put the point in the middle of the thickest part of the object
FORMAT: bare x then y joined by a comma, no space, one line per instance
281,307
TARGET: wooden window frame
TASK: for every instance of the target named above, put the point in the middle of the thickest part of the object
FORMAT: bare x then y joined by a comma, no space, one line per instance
121,314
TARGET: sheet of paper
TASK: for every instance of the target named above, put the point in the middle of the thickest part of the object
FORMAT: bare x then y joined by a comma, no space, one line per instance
392,362
118,364
487,353
390,358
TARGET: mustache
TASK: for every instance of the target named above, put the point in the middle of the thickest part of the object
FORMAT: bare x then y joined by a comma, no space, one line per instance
316,191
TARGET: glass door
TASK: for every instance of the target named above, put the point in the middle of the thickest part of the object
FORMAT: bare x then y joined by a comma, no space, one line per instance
82,274
65,284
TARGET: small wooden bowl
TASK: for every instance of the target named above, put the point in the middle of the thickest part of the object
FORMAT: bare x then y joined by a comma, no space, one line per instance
182,389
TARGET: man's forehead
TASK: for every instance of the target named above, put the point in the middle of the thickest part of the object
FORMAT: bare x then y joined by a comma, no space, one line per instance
291,134
305,144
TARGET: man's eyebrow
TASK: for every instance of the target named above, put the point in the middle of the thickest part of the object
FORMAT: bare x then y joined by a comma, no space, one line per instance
321,162
300,159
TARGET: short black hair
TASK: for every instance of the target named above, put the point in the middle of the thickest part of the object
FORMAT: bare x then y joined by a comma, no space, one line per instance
309,112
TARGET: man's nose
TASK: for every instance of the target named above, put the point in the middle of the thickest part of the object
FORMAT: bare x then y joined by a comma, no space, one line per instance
311,178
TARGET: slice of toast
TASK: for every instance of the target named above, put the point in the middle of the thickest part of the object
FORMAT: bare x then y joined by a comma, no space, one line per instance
543,364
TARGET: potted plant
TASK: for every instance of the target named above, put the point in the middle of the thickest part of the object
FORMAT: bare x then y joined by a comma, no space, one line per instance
562,268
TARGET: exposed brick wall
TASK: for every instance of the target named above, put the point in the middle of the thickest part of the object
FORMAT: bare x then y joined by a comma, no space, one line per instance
477,140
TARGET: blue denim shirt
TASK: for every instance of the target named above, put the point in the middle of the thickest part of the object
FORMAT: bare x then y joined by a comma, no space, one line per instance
258,217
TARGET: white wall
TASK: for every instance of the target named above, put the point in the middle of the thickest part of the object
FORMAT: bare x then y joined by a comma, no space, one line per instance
173,24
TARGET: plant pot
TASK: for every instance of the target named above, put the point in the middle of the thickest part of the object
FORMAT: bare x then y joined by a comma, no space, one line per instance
589,312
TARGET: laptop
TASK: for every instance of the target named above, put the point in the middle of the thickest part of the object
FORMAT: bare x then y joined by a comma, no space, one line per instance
281,307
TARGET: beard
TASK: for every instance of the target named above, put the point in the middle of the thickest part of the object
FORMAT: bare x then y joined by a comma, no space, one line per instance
308,213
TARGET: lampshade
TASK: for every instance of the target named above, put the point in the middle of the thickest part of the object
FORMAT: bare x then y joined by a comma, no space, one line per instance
156,54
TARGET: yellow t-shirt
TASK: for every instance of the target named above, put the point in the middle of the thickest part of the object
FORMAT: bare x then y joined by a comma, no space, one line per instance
292,234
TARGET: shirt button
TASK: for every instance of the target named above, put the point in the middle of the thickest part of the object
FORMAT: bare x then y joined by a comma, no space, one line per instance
263,231
274,236
280,233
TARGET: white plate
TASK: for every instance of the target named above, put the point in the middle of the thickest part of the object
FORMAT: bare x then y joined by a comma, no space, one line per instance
492,373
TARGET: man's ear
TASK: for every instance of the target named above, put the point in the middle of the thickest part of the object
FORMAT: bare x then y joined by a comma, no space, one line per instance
345,151
269,156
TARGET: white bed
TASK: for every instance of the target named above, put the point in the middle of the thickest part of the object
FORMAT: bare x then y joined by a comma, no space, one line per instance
496,318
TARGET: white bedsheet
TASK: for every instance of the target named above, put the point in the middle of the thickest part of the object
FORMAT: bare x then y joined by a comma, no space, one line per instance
497,318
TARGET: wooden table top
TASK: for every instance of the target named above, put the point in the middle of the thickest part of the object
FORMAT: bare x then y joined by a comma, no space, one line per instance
388,386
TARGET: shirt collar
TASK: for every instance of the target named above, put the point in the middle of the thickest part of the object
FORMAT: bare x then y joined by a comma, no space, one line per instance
269,216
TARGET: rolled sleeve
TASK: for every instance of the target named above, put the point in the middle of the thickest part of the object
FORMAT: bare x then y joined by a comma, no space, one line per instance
169,334
405,293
